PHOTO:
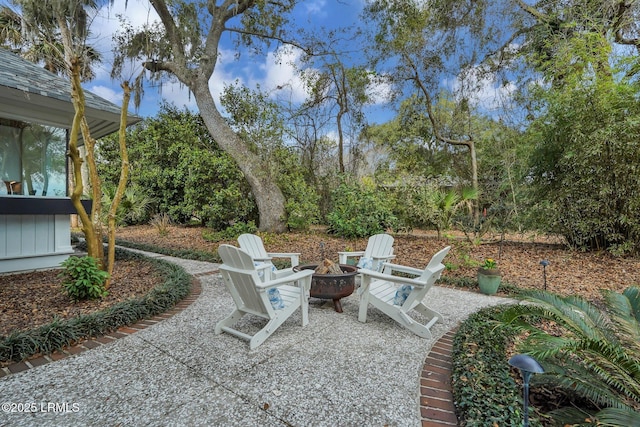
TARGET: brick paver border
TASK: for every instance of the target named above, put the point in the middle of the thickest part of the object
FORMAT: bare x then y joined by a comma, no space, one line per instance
436,398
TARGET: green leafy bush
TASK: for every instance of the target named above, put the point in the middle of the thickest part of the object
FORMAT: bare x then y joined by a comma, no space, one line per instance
302,199
484,391
231,232
584,167
134,208
83,279
360,210
181,169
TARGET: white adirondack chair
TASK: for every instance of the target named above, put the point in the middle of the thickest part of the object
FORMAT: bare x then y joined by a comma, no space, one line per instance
251,295
253,245
379,250
386,292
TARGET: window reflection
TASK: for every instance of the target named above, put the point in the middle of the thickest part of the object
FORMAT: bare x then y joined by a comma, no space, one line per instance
32,159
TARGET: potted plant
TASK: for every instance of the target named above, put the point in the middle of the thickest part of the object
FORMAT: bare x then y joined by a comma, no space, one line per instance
489,277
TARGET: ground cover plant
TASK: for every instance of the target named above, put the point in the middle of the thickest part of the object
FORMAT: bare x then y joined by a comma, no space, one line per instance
485,390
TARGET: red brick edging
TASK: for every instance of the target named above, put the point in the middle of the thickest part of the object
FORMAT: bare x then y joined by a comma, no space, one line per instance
436,398
196,289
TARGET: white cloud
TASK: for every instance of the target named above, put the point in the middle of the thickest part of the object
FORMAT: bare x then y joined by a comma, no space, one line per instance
107,93
316,8
482,90
380,90
275,72
280,74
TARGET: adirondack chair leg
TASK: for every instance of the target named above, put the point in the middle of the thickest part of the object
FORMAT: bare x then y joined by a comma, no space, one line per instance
406,321
420,330
305,285
430,314
364,299
259,338
228,321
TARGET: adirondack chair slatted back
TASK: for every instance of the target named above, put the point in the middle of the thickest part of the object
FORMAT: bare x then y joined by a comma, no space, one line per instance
435,265
253,245
385,291
379,250
379,245
240,276
432,272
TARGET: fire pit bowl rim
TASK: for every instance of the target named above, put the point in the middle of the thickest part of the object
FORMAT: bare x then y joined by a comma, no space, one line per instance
352,270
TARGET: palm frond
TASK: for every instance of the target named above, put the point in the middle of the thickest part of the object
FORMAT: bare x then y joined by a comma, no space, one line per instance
595,354
618,417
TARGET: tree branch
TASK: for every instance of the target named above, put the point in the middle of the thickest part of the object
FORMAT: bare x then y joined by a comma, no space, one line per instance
305,49
533,11
230,8
623,7
178,67
434,124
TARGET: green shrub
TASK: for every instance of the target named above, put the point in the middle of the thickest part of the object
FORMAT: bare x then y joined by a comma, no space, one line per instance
178,253
583,170
360,210
591,353
83,279
302,200
231,232
485,393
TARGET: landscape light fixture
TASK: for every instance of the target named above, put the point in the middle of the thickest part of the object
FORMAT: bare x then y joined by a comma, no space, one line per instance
544,264
527,366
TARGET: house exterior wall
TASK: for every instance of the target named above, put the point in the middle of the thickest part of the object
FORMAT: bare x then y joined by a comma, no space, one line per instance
31,242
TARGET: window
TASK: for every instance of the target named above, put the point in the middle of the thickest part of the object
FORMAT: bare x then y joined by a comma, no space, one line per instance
32,159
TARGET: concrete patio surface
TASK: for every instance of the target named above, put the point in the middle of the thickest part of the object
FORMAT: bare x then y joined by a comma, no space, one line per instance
335,371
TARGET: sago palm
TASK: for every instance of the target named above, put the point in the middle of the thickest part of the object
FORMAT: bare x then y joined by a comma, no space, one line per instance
592,353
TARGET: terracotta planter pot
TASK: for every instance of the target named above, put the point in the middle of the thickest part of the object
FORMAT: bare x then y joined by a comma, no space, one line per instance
489,280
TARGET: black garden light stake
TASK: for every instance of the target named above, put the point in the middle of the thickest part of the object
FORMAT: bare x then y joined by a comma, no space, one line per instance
527,366
544,264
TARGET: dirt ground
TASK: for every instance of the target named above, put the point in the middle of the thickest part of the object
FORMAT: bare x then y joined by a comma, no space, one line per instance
569,272
32,299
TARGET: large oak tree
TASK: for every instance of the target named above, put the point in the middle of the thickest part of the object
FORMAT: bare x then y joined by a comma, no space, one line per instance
186,46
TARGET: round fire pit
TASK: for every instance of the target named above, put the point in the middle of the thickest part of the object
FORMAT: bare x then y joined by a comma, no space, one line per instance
332,286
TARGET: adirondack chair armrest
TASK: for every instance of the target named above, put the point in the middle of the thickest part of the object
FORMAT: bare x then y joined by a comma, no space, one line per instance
343,256
383,257
262,259
293,256
390,278
286,279
401,269
283,254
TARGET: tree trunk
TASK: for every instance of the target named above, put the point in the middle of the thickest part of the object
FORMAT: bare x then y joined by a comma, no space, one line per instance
269,198
340,140
474,182
122,183
92,233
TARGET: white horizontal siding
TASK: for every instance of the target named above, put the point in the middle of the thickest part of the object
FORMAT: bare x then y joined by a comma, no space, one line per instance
29,242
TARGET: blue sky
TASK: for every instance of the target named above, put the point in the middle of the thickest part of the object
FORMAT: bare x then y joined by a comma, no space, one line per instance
265,71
